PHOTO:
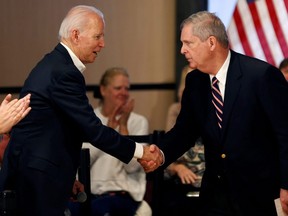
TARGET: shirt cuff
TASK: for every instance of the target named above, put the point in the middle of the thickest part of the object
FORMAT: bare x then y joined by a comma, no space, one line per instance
138,151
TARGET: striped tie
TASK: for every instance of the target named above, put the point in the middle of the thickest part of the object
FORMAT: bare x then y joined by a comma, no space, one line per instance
217,101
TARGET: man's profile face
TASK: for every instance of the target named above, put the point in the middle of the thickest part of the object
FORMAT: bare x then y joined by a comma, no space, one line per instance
91,40
196,51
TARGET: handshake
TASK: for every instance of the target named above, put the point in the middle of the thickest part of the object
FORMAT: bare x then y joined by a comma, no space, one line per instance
152,158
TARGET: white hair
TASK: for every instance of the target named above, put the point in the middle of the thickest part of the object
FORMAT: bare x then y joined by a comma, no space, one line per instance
77,18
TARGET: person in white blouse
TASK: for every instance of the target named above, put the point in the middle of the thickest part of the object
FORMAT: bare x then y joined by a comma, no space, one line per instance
117,188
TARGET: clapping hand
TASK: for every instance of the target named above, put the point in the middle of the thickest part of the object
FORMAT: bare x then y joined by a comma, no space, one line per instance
120,116
12,111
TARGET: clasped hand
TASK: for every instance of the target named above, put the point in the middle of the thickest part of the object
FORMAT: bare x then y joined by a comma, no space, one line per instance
152,158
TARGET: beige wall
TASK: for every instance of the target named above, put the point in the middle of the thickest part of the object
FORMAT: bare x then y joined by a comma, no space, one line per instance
140,35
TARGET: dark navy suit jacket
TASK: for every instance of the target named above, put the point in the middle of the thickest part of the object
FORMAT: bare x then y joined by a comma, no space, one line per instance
49,139
251,150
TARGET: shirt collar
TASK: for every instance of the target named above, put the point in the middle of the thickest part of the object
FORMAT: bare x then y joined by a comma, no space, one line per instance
222,74
81,67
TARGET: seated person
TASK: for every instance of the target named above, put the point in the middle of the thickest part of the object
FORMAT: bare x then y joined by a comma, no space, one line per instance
189,168
182,178
117,188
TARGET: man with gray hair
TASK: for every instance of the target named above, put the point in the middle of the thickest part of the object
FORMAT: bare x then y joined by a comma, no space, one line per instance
42,157
238,106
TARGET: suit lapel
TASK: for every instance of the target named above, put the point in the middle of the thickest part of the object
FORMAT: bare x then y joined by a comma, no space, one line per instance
232,88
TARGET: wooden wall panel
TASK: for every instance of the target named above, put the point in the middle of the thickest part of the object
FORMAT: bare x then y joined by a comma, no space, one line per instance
140,35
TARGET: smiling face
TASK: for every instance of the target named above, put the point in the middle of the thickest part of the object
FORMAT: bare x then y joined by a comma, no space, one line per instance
84,35
116,92
91,40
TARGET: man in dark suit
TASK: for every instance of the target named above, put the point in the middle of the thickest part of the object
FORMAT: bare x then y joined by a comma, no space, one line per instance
246,149
42,157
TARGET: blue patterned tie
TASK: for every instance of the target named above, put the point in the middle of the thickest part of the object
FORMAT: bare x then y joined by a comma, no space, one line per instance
217,101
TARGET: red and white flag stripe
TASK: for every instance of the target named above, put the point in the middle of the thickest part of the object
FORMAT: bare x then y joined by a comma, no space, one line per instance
259,28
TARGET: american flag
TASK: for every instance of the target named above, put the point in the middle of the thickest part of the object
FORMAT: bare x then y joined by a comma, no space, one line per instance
259,28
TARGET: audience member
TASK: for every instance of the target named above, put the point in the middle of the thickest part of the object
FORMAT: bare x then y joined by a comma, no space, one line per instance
246,143
12,111
117,188
190,166
41,160
284,68
182,178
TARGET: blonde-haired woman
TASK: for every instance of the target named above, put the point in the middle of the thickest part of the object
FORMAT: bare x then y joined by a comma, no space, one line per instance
117,188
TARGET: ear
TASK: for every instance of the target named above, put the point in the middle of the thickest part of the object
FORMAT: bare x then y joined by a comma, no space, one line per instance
75,35
212,42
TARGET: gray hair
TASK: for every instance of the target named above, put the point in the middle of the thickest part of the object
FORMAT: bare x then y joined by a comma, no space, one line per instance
206,24
77,18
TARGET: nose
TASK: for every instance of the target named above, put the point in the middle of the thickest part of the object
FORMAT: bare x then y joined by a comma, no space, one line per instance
124,91
102,42
183,51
